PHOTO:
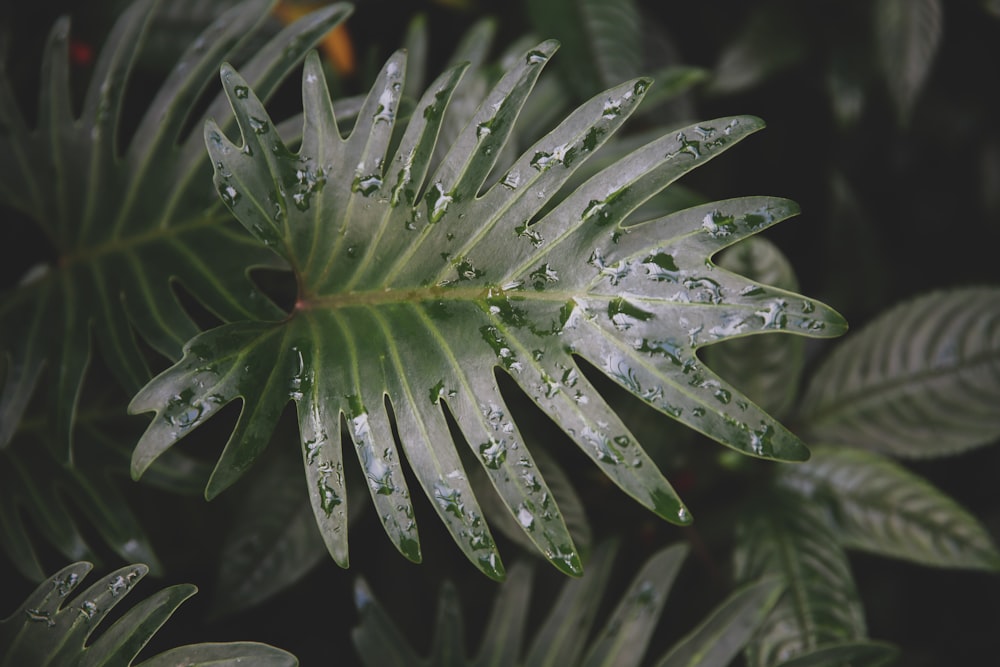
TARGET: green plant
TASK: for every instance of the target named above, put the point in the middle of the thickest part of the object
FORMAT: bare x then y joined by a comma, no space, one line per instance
459,280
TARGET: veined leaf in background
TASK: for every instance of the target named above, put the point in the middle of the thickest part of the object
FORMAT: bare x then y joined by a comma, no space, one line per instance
412,294
921,380
51,629
126,223
876,505
907,36
784,537
565,634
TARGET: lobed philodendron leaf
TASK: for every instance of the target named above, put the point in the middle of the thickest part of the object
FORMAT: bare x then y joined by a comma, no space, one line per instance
921,380
416,288
876,505
50,628
126,222
784,537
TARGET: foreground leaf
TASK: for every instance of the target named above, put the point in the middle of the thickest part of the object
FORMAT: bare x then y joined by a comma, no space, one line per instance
877,505
783,537
414,290
923,379
128,222
51,629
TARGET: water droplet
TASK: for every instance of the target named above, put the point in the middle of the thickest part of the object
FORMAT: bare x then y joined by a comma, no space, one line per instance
437,202
542,276
117,585
65,586
718,225
258,125
242,92
449,499
493,453
535,58
40,616
366,185
511,180
525,517
88,609
530,233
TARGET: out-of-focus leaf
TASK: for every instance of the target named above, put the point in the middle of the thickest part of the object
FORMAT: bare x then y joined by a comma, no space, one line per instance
851,654
721,636
772,39
765,368
602,41
876,505
35,485
785,537
50,629
907,34
565,634
623,639
921,380
272,542
126,222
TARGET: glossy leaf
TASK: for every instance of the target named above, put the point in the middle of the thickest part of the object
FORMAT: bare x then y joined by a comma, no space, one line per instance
782,536
602,41
414,290
765,368
908,33
126,222
876,505
51,629
922,379
721,636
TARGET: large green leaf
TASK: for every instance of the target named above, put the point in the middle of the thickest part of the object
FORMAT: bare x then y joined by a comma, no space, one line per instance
784,537
564,637
51,629
923,379
876,505
126,223
414,290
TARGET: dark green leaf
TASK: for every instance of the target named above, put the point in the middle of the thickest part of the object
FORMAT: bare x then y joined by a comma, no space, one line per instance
126,222
876,505
908,34
602,41
854,654
922,379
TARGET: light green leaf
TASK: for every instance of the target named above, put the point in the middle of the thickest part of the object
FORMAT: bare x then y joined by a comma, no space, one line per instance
602,41
877,505
721,636
908,33
127,222
782,536
921,380
51,629
414,290
765,368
